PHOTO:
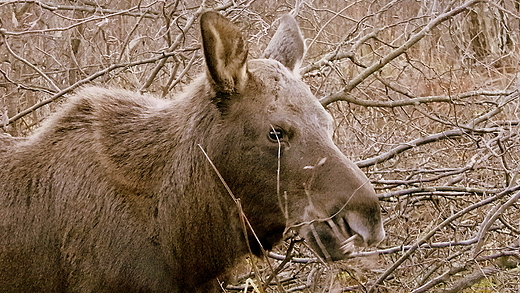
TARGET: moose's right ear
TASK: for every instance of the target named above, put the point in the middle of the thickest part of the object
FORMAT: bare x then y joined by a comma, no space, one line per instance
287,45
225,52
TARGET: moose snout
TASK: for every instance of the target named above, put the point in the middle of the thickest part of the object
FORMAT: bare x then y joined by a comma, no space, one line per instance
368,230
335,238
344,209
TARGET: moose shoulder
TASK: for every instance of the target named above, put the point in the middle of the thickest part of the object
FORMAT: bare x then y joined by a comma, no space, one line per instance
115,194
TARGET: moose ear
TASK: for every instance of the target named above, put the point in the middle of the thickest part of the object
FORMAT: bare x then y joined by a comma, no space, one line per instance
225,52
287,44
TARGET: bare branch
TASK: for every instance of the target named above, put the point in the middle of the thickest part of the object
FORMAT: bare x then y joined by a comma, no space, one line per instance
60,29
176,43
420,100
492,216
406,146
97,9
395,53
84,81
440,279
432,232
448,190
476,276
45,76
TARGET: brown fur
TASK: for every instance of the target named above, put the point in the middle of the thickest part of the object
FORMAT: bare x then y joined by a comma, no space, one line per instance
114,194
7,140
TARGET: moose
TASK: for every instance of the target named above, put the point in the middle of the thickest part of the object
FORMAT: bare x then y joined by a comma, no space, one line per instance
124,192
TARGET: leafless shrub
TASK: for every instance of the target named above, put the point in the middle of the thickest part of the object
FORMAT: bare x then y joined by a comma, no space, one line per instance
425,96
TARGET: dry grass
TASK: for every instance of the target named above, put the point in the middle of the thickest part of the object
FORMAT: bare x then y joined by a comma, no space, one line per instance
450,97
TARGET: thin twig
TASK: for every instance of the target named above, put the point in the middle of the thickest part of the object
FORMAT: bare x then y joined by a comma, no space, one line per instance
432,232
35,68
88,79
490,219
476,276
397,52
421,100
406,146
60,29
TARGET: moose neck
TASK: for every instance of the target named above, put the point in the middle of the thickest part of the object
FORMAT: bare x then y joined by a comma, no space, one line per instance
200,200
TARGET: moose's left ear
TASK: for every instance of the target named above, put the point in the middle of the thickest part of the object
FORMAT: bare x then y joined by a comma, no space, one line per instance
287,44
225,52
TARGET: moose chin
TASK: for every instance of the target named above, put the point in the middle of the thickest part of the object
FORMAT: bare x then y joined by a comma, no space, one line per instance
124,192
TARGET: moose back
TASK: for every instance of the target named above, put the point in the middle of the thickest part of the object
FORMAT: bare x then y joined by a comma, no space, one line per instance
115,192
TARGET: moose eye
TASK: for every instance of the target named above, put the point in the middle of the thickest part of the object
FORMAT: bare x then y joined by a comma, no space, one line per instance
276,134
